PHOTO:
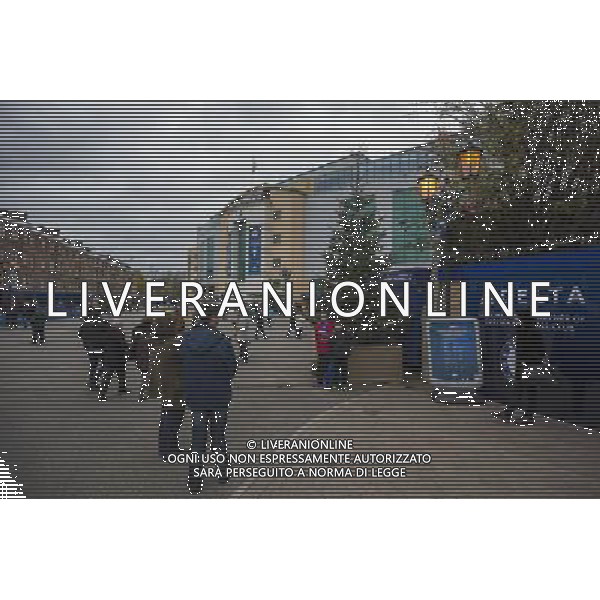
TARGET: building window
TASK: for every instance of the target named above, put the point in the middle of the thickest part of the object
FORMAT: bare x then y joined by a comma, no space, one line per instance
231,253
242,250
209,257
411,238
254,249
276,263
277,214
276,239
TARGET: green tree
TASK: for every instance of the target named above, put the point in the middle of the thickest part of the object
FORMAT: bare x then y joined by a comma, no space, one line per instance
354,254
539,181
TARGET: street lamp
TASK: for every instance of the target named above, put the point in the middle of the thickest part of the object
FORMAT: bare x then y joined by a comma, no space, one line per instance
469,160
429,185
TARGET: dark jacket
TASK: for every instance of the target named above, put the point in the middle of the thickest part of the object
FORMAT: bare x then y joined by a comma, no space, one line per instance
91,333
208,367
171,372
37,318
114,347
530,348
141,338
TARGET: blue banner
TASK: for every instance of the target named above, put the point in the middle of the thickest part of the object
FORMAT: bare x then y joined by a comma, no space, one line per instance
254,250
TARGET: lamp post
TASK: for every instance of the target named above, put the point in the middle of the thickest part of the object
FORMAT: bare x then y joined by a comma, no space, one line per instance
430,185
469,164
469,160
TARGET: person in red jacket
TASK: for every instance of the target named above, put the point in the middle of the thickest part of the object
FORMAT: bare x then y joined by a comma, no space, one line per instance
324,330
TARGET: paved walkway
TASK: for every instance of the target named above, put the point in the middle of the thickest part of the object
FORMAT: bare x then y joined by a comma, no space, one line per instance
472,454
66,444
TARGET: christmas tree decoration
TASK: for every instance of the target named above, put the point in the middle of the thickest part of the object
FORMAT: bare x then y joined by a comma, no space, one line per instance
354,254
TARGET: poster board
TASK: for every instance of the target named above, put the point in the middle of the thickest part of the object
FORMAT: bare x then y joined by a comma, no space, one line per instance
453,352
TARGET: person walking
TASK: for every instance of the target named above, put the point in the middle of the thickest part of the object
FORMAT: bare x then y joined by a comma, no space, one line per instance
260,324
140,352
37,322
293,326
173,408
531,371
324,329
12,318
340,354
161,338
28,313
244,328
114,360
208,366
91,335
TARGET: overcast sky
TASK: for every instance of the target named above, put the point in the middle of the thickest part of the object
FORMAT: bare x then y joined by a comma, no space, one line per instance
134,179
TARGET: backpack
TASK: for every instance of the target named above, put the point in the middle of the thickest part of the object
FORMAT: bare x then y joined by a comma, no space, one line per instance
207,351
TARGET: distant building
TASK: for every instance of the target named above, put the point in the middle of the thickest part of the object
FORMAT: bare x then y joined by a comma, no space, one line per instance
281,232
31,256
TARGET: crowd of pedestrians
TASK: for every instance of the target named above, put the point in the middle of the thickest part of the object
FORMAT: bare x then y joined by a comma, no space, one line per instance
187,369
191,369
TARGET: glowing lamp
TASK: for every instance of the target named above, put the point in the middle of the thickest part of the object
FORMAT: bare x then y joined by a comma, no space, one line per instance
429,185
469,161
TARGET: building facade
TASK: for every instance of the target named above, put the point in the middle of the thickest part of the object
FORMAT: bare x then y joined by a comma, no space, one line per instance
281,232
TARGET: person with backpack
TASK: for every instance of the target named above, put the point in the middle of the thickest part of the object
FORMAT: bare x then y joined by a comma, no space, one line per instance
208,366
114,360
140,352
91,335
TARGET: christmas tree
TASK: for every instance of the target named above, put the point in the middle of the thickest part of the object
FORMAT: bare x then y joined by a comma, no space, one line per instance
355,255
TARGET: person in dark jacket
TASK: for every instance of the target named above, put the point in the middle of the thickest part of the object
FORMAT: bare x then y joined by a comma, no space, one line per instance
92,336
28,313
260,325
12,318
140,352
530,370
208,366
173,408
114,360
37,321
